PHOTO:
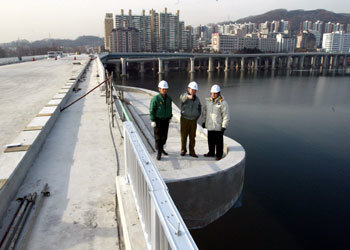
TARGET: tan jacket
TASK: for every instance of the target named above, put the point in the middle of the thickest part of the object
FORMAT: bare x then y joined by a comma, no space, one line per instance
216,114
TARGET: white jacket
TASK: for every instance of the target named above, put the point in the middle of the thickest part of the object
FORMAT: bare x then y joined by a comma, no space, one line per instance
216,114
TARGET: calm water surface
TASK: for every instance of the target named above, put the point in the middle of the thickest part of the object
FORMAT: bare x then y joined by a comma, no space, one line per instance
295,129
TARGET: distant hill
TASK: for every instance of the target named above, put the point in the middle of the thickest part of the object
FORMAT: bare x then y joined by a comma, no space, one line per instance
295,17
90,41
40,47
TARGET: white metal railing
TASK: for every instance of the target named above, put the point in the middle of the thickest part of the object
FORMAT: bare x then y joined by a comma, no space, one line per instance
161,222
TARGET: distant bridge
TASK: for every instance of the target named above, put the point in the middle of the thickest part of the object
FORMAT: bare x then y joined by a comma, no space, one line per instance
242,62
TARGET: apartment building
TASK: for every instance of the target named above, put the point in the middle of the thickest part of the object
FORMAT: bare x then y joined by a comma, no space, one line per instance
232,43
336,42
285,43
157,31
125,39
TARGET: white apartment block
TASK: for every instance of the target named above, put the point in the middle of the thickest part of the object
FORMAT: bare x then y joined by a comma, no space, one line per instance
232,43
336,42
267,44
285,43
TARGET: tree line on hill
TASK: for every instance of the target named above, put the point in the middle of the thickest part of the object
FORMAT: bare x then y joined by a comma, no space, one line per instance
41,47
295,17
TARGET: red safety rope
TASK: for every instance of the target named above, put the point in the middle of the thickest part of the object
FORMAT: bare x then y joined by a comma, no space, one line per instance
84,95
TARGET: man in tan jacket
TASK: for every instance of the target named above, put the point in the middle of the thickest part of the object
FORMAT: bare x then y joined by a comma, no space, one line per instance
191,109
216,117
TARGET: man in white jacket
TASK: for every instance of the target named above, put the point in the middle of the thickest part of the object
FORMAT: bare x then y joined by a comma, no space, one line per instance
216,117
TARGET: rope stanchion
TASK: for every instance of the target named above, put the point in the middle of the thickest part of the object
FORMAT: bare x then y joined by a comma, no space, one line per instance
84,95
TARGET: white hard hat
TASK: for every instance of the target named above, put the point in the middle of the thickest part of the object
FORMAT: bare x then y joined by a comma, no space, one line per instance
193,85
163,85
215,89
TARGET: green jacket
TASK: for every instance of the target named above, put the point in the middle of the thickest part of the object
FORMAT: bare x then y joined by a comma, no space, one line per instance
160,109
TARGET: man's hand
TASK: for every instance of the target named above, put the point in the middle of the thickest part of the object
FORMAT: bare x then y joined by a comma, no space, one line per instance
153,124
223,130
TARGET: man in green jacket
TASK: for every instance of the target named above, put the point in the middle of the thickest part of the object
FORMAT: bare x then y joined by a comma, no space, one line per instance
191,109
160,113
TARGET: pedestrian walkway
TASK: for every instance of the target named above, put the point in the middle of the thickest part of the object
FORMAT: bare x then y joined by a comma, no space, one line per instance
79,164
202,188
173,161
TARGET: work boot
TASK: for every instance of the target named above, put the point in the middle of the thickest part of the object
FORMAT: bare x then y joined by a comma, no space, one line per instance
194,155
164,153
183,153
218,158
208,155
159,155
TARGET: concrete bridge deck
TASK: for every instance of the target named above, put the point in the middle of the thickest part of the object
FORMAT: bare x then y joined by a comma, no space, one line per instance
26,87
77,160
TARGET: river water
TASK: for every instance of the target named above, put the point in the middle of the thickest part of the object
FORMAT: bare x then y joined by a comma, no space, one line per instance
295,128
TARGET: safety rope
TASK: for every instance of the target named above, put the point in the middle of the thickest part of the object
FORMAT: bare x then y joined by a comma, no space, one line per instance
84,95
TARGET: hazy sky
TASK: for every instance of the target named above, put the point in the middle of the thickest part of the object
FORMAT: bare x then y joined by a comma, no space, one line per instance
38,19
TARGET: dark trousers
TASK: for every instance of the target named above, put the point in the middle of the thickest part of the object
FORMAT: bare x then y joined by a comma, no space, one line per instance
216,140
188,128
161,133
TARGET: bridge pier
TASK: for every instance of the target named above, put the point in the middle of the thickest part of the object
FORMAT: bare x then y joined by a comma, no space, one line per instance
232,64
123,62
273,64
192,65
326,63
280,63
266,66
117,68
301,63
312,61
321,63
336,62
142,67
250,64
331,62
218,67
256,63
289,62
160,66
227,67
242,64
345,62
166,66
210,65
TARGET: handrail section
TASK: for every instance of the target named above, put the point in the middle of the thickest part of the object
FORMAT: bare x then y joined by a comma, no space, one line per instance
162,223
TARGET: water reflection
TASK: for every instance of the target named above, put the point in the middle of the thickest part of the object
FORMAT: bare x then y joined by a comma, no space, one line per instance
295,127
